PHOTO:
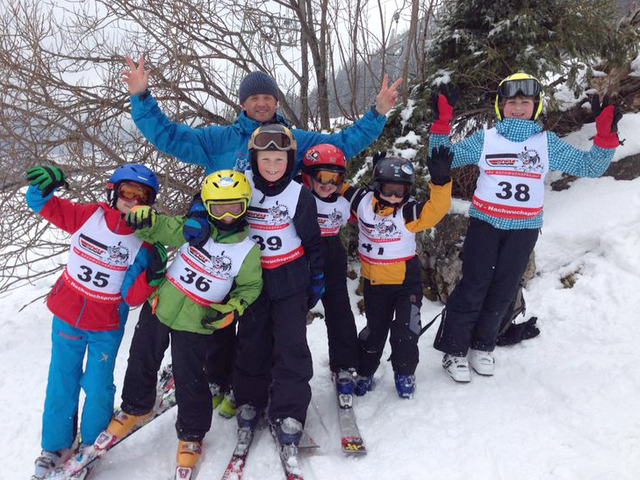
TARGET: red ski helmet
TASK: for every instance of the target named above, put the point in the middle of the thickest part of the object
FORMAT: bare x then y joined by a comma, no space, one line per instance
323,156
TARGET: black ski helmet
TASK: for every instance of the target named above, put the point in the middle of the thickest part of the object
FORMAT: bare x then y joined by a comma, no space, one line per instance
392,170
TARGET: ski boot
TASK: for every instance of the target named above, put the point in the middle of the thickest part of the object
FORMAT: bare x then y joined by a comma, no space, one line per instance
457,368
288,432
482,362
345,382
405,385
119,426
217,394
228,405
247,416
49,460
86,471
187,458
364,384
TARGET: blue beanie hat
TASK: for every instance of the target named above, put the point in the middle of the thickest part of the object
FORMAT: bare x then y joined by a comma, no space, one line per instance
257,83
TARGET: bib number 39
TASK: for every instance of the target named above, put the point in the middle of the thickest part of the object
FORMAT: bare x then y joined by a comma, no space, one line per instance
272,243
521,193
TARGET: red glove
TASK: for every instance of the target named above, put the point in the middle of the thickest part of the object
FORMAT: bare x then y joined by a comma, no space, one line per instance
607,117
442,105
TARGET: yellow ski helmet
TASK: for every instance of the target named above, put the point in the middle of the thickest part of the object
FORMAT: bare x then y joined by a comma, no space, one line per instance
222,190
520,84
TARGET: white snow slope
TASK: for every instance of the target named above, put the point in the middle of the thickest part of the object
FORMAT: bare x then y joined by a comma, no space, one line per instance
561,406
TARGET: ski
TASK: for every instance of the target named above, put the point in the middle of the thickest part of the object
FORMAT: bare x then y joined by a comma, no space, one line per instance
307,443
184,473
351,440
235,468
80,466
288,456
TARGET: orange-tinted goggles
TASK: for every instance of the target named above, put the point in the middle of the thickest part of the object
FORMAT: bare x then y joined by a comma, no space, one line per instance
134,191
328,177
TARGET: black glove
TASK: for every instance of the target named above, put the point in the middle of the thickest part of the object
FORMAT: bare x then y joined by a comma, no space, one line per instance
141,216
46,178
196,229
219,320
157,265
316,290
439,164
379,155
518,332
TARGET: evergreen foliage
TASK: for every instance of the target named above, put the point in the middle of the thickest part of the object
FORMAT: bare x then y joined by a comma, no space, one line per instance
479,43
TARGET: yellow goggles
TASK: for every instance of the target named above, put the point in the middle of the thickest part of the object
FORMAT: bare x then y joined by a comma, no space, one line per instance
219,210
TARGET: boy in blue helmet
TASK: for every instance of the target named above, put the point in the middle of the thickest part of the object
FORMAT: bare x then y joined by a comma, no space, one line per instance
109,270
506,211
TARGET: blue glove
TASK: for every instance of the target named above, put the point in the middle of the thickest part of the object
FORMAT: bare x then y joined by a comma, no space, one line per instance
316,290
196,229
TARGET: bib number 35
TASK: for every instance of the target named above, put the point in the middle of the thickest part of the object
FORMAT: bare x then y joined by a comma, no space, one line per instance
100,279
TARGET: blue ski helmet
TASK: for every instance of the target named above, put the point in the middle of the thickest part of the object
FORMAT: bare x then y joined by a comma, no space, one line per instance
132,172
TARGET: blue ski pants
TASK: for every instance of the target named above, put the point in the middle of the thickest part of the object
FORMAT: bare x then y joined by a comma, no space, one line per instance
66,377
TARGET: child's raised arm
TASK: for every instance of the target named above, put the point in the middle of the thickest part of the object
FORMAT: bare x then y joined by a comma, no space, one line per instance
419,216
155,227
572,160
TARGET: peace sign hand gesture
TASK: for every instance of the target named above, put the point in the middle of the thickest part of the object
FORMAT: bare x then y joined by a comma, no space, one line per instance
136,78
388,96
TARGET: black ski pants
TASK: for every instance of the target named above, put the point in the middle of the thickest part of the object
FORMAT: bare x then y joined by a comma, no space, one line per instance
273,360
188,350
395,309
341,325
221,357
493,262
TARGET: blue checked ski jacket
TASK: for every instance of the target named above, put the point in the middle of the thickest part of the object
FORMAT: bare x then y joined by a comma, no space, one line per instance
219,147
562,156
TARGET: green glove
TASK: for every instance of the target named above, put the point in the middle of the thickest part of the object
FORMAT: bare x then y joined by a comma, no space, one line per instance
157,265
46,178
141,216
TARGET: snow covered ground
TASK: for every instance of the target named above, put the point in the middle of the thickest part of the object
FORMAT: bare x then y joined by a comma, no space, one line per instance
561,406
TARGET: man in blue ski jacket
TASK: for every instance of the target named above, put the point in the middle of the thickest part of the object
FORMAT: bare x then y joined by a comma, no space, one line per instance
217,147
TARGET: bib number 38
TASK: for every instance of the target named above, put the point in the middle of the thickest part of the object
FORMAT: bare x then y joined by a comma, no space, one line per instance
520,191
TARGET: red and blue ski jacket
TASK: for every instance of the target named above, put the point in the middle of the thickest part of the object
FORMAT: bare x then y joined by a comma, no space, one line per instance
67,304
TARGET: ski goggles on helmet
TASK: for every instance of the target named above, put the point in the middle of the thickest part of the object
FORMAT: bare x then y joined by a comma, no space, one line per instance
527,87
326,177
220,210
272,141
134,191
399,190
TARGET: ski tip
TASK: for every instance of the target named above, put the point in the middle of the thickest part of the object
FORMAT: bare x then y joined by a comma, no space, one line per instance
183,473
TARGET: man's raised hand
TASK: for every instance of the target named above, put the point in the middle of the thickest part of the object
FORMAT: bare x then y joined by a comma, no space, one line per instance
136,78
388,95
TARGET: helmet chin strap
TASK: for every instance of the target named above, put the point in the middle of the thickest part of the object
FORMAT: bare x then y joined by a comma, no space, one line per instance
227,227
385,203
